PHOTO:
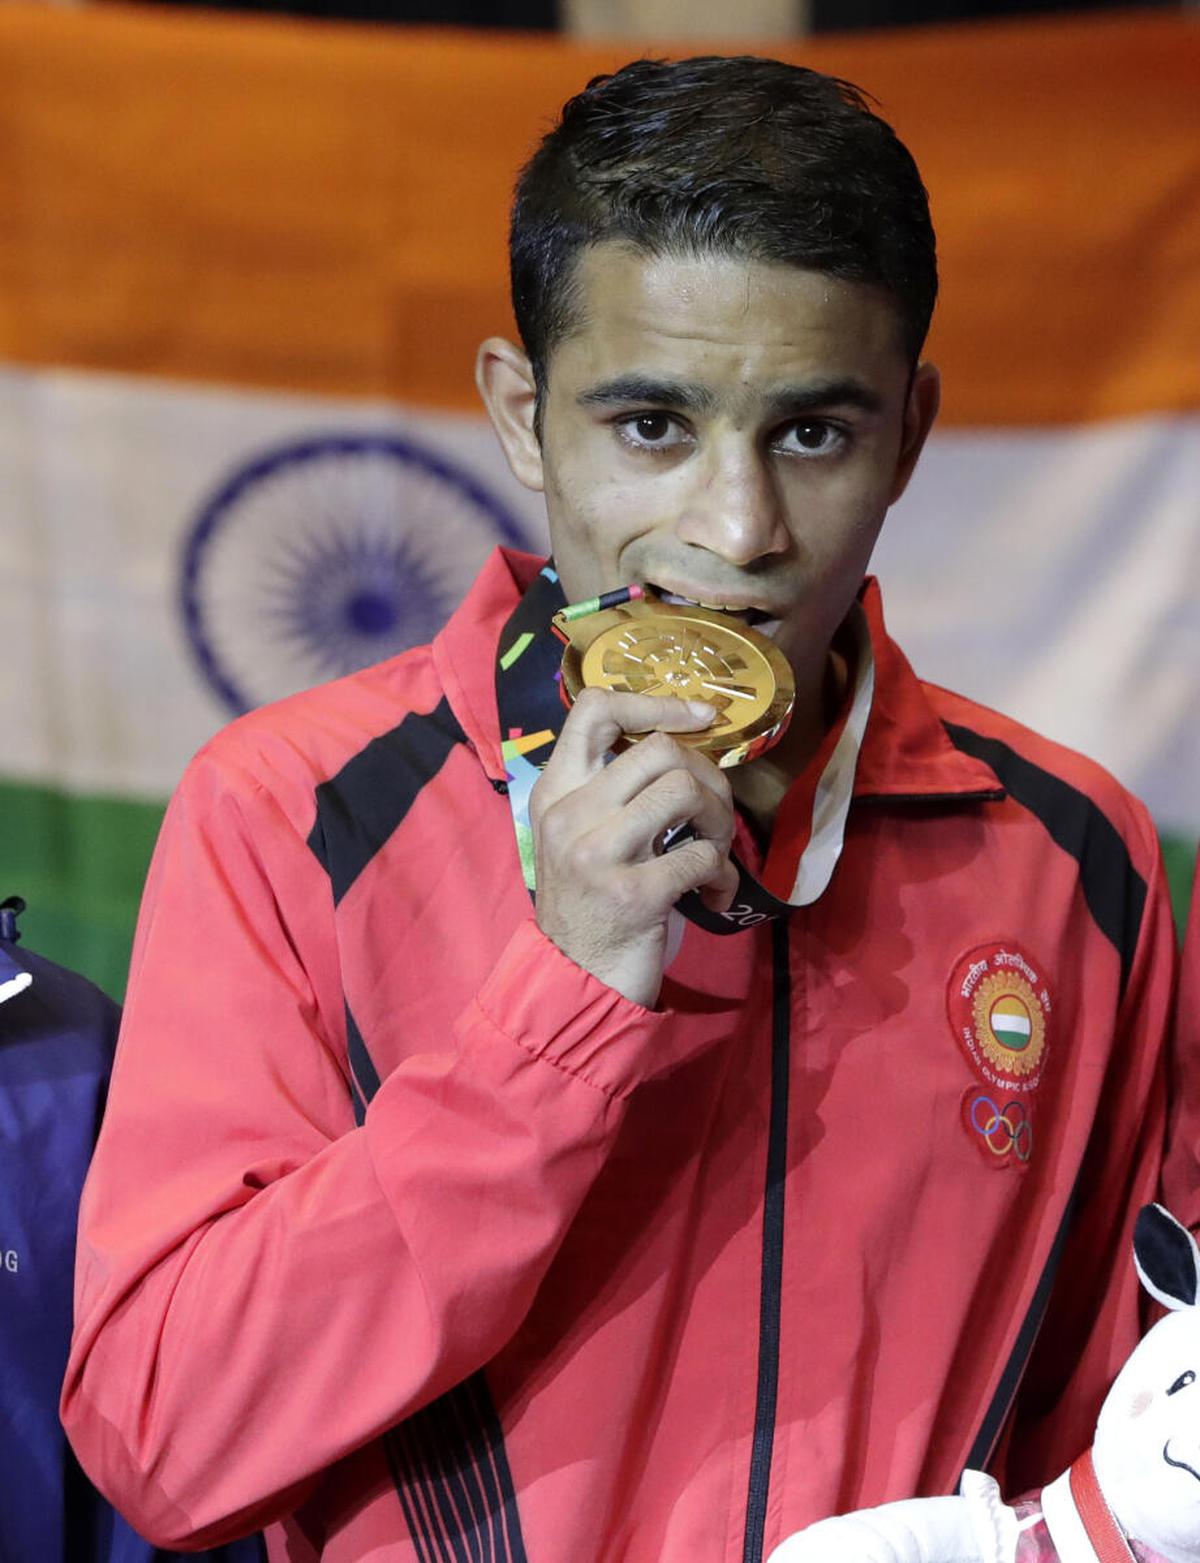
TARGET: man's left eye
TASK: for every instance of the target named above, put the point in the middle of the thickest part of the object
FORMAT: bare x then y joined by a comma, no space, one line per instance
650,430
814,437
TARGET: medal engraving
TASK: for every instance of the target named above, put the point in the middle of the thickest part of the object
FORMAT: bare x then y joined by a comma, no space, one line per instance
648,647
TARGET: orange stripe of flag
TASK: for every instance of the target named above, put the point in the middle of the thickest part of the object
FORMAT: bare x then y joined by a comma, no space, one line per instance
322,207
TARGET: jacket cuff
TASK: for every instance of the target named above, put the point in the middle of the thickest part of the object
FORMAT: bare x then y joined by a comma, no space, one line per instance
540,1000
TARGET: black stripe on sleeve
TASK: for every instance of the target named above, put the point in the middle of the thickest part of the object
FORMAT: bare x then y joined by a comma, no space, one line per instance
462,1524
450,1468
494,1435
360,807
414,1518
466,1488
364,1077
1114,890
493,1504
410,1472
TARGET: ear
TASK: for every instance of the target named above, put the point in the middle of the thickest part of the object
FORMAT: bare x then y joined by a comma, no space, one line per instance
924,399
505,380
1167,1259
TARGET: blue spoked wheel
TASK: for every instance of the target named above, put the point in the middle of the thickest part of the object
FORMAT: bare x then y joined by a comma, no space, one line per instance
326,554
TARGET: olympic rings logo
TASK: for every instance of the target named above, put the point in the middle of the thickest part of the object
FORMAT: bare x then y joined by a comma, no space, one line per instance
1003,1130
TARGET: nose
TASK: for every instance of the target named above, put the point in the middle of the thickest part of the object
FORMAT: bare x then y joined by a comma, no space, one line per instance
734,509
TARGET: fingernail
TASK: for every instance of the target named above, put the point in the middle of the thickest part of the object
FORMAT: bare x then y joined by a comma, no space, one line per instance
702,708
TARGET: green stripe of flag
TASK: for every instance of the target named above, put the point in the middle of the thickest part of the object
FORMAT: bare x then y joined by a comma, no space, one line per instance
1179,858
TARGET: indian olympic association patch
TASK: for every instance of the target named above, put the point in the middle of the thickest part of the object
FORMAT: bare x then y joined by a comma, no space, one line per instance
999,1007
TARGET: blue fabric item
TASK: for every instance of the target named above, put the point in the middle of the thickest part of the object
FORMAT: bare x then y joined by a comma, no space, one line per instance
57,1035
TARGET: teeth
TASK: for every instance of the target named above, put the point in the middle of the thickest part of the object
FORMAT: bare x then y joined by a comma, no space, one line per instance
677,601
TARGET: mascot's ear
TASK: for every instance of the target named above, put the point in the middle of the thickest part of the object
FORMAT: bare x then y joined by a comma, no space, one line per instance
1167,1258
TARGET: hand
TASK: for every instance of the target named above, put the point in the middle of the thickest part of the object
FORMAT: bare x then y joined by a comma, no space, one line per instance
605,888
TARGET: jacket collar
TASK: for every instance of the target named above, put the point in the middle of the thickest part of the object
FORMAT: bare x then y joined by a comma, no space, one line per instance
906,752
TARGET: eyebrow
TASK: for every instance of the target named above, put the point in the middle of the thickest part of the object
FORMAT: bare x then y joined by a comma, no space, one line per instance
811,395
647,389
687,396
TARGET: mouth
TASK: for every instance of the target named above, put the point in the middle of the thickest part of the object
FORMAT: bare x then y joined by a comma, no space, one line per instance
1180,1465
748,613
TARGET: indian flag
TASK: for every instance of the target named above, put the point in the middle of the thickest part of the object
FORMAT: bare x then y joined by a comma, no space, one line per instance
245,263
1010,1023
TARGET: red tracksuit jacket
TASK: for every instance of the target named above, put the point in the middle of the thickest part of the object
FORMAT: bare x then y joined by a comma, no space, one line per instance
411,1239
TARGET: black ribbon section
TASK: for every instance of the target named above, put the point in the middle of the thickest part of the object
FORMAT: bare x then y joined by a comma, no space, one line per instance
529,700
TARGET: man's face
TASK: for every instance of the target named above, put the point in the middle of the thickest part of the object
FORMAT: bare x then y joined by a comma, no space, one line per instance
730,432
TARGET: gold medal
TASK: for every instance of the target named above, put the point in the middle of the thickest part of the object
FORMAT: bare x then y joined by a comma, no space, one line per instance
648,647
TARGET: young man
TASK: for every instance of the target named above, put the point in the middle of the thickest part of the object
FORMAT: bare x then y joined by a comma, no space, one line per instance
426,1224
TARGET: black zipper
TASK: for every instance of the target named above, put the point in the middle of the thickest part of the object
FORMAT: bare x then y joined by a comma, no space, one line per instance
771,1292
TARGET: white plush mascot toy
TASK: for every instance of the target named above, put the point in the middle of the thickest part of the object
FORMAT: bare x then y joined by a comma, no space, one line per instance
1135,1495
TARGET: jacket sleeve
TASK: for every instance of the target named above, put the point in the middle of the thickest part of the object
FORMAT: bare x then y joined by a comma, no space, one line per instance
262,1286
1096,1310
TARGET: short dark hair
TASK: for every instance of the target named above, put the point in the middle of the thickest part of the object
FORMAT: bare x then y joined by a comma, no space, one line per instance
720,154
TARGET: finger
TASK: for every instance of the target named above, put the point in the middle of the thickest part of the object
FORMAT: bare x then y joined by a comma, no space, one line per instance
697,865
634,832
644,763
600,717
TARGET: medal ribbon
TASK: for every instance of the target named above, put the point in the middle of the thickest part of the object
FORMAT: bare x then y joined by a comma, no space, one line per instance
531,709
